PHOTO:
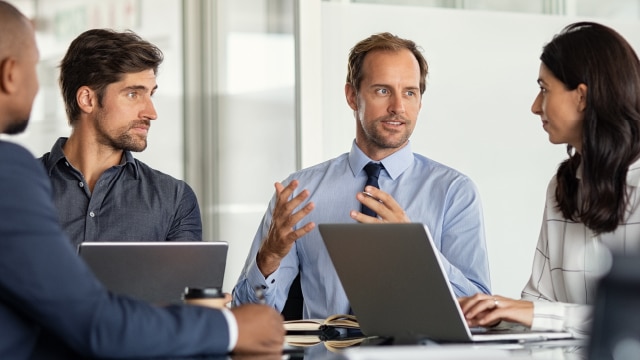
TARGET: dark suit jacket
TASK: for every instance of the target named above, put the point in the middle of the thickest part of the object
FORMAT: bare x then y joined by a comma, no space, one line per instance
47,292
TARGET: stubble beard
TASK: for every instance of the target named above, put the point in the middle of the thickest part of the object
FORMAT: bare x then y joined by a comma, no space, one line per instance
17,127
122,140
381,139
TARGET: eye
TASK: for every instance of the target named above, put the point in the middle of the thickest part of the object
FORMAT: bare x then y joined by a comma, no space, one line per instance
411,93
382,91
132,94
543,90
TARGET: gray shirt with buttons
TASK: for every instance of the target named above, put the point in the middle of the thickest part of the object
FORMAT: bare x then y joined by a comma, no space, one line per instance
130,202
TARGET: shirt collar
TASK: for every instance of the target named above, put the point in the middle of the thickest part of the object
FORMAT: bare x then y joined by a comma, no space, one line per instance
394,164
56,155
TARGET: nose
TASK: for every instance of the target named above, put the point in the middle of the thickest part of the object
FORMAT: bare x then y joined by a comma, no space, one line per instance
536,107
396,104
149,111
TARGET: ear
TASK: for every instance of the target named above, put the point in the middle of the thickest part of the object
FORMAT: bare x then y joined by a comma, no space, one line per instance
352,96
8,79
582,97
86,98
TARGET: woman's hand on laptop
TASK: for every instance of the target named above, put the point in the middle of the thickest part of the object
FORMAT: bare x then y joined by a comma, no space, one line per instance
488,310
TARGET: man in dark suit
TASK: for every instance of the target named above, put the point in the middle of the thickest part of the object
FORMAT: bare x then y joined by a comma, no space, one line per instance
48,297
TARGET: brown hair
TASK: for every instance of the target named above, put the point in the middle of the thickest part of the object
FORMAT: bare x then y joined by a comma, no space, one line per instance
100,57
386,42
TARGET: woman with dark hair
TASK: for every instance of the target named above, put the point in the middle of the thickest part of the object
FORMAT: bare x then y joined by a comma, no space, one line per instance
589,99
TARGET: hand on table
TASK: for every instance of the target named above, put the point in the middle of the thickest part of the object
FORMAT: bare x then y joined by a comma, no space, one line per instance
260,329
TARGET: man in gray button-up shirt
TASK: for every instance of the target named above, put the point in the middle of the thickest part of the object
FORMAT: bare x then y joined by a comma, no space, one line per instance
102,193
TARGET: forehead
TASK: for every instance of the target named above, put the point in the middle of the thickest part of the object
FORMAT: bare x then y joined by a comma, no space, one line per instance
545,75
391,64
142,79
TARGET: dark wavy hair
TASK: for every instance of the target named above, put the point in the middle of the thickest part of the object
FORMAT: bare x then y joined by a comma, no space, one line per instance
386,42
100,57
597,56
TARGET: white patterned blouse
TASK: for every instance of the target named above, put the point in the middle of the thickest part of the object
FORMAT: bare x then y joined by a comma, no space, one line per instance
569,260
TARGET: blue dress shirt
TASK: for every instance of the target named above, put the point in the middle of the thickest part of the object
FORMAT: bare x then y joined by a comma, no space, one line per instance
429,192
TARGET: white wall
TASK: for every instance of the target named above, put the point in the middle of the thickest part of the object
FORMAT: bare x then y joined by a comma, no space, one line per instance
476,110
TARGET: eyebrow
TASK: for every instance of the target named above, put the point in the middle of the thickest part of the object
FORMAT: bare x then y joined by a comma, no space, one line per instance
541,82
139,87
389,86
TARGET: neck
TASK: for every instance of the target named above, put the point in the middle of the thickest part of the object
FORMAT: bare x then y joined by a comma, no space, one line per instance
90,157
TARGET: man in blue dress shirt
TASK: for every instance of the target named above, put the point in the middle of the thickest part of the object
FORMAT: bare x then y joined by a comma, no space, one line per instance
51,305
385,82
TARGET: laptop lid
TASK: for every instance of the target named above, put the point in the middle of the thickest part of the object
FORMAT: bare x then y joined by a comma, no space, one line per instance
156,272
397,286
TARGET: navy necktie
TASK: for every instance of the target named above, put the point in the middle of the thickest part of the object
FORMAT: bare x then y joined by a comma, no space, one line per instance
373,172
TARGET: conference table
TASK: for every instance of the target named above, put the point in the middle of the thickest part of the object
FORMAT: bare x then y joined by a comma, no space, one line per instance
377,349
373,349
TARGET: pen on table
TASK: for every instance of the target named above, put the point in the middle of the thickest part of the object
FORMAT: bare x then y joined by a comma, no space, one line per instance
260,294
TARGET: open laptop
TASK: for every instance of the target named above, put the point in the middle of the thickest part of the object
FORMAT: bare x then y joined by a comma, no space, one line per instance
397,286
156,272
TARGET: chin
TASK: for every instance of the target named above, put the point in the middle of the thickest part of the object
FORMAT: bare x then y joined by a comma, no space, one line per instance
17,127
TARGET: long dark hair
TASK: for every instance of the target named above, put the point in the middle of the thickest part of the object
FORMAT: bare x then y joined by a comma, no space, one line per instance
597,56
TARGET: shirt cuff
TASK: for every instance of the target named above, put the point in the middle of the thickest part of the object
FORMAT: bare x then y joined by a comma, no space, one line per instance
548,316
255,278
233,328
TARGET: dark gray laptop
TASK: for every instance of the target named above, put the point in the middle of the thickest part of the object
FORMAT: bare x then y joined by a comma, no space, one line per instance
397,287
158,271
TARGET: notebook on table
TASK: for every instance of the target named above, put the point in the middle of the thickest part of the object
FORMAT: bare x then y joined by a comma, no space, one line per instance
397,287
156,272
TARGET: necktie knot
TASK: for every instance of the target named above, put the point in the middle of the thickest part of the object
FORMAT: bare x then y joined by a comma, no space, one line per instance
373,172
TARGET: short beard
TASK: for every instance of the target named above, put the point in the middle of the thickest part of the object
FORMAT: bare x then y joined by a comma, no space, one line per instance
17,127
123,141
127,143
381,141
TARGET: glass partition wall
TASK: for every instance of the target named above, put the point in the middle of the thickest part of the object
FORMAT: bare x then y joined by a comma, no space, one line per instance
239,114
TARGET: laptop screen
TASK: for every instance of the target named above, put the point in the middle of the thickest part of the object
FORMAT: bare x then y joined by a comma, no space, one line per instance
156,272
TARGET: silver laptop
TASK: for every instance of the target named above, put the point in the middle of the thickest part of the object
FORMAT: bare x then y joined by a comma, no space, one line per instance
397,286
158,271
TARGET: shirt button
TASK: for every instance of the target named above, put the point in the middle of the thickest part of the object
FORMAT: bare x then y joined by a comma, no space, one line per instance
92,214
81,184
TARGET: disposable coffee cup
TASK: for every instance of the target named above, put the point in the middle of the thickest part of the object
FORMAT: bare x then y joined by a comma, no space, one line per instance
211,297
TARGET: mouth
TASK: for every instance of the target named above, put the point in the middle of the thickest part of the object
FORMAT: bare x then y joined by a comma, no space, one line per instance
141,126
393,122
